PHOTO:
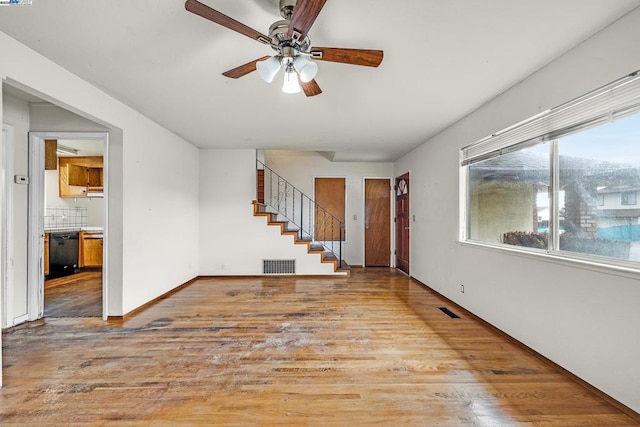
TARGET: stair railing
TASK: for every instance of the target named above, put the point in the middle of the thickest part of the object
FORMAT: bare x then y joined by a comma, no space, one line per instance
313,222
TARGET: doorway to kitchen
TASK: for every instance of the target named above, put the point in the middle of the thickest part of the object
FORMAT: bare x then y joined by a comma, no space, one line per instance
68,216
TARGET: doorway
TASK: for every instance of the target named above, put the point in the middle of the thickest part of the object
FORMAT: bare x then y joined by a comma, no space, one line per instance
67,213
330,209
377,219
402,223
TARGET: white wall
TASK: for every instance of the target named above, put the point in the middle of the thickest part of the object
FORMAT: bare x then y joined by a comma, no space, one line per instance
585,319
232,240
153,182
301,167
16,113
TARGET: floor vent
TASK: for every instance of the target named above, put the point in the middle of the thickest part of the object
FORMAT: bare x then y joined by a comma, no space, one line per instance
448,312
278,266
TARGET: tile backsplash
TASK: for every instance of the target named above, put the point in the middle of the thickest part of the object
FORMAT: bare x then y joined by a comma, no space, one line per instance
65,217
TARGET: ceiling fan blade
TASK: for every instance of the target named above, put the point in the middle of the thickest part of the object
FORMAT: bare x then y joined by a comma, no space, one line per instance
243,70
366,57
310,88
304,15
206,12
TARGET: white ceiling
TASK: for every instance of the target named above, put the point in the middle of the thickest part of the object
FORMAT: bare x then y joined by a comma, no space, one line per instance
85,147
443,59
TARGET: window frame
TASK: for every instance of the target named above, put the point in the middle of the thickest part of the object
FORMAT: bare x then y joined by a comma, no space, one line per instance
624,201
494,146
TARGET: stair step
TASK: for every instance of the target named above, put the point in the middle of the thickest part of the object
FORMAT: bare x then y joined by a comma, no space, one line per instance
272,219
316,247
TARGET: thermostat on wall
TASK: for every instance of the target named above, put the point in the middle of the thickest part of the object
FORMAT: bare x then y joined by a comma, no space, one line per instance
21,179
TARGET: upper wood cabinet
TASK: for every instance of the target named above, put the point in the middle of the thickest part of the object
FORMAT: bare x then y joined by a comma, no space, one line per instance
79,175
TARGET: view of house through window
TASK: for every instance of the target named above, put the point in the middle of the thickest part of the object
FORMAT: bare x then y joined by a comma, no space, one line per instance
510,196
601,164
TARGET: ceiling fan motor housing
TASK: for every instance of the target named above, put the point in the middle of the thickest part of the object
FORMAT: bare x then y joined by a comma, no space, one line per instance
279,37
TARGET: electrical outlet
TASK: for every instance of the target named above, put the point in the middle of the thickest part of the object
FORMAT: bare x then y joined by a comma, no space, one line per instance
462,289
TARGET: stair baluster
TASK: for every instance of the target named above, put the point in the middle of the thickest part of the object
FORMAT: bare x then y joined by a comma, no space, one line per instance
283,203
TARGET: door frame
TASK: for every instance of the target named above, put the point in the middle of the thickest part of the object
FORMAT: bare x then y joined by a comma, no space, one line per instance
35,273
392,237
6,267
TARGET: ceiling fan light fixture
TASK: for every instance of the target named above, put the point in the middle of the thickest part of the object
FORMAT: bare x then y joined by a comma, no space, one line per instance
291,82
307,69
268,68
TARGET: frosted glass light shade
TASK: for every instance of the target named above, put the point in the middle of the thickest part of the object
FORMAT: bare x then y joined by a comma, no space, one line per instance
268,68
291,83
307,69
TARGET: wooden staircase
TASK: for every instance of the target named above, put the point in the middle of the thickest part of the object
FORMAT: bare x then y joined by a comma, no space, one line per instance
260,209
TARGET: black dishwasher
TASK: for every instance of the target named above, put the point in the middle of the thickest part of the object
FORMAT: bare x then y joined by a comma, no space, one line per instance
63,253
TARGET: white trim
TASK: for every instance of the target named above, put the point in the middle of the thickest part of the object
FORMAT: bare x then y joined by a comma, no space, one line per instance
7,267
105,240
35,251
36,215
463,202
21,319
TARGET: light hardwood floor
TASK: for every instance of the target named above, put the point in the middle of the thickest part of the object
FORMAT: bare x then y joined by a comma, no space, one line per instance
373,349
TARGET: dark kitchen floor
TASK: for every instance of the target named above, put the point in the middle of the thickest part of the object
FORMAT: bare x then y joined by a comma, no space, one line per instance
78,295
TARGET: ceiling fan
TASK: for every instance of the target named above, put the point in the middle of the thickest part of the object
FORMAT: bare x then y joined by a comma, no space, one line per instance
289,38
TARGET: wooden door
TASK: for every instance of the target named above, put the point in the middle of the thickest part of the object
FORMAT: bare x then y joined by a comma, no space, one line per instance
402,222
377,222
329,212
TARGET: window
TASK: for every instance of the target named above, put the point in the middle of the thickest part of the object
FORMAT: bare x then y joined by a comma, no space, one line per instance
510,193
628,198
565,181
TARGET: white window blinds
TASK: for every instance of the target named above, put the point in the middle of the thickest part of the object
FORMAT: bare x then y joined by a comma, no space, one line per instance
618,99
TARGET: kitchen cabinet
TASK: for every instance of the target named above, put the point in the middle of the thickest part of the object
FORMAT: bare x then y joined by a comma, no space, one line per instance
78,176
90,251
46,254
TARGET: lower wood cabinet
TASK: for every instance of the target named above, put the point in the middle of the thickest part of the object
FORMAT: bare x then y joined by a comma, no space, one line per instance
90,252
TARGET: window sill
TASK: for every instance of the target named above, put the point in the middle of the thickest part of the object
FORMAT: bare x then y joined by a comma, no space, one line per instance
571,260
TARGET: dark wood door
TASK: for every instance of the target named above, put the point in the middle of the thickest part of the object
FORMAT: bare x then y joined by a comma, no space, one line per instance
377,222
402,222
330,203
